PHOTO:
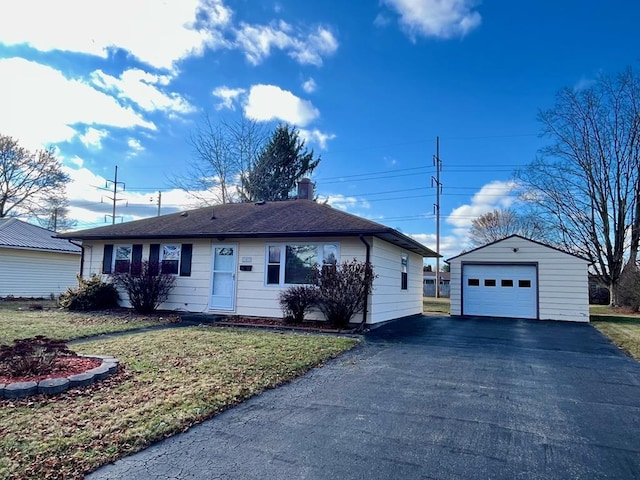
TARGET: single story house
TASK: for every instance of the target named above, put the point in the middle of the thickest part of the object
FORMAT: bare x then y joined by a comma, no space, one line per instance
520,278
236,258
33,263
429,284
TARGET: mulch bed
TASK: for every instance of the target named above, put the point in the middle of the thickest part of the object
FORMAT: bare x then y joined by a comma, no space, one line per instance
279,323
64,366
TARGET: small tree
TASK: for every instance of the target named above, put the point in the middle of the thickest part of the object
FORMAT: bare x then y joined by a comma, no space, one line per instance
146,286
32,356
342,289
296,302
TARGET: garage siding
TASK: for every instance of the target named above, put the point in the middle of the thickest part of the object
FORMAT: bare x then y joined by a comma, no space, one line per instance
36,273
563,292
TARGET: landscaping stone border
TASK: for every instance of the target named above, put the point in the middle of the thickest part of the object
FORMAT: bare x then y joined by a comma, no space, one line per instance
54,386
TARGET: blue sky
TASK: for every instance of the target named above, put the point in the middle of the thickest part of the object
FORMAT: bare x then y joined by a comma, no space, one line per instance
370,84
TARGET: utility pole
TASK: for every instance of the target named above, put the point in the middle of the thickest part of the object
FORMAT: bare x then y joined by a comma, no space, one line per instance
115,198
436,206
159,202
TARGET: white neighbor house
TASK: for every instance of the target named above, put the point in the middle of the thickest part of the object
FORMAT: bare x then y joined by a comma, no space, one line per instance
33,263
520,278
236,258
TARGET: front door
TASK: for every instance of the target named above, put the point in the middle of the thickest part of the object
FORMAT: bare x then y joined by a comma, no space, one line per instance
223,277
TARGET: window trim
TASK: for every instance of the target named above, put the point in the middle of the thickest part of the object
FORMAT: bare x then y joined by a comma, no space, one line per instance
115,257
320,247
161,259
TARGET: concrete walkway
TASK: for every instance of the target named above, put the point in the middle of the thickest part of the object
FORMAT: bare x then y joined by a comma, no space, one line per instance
431,398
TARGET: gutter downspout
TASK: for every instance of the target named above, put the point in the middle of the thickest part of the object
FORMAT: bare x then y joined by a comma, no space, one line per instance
366,295
81,256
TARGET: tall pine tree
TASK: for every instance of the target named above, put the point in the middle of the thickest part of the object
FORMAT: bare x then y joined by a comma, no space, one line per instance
282,163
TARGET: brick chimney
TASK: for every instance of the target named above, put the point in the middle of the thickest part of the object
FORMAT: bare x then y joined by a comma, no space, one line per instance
305,189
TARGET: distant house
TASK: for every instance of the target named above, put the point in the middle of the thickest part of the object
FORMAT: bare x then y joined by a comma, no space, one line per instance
33,263
429,284
237,258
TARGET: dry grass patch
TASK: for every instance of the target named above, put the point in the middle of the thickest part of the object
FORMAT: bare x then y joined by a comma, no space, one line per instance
435,305
172,379
19,320
623,331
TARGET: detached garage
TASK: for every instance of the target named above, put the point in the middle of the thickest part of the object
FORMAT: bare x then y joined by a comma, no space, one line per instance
520,278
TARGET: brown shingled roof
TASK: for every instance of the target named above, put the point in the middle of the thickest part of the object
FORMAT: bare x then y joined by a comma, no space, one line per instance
291,218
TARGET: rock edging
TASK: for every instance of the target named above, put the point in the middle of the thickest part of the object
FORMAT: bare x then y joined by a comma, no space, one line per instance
55,386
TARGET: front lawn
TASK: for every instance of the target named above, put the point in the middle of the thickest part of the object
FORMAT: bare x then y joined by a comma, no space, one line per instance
623,328
22,319
171,380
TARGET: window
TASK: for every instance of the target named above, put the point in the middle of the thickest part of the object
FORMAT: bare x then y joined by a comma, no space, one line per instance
404,269
524,283
489,283
291,264
473,282
170,259
507,283
122,260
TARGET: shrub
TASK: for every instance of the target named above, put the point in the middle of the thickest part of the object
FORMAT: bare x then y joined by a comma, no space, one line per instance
296,301
91,294
32,356
342,290
147,287
629,288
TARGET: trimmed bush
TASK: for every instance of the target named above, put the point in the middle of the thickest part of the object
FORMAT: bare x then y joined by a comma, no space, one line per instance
91,294
296,301
147,287
342,290
32,356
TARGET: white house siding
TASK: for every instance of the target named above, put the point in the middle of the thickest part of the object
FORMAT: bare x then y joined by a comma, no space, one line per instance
256,298
191,294
37,273
389,301
563,292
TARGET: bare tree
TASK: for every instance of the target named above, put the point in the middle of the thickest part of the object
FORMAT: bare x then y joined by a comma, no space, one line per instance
27,178
586,181
499,224
222,154
53,214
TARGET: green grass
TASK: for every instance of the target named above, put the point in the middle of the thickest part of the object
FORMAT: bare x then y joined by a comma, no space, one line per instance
435,305
622,327
18,321
171,380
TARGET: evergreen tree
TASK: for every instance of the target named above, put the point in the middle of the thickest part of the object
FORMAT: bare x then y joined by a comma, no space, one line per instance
282,163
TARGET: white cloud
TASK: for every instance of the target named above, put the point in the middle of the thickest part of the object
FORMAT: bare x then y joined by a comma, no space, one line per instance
494,195
269,102
436,18
92,137
157,33
39,116
142,88
257,42
228,96
450,245
135,145
316,136
343,202
309,86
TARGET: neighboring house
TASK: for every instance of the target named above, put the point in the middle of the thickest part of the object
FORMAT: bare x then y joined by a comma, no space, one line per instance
520,278
33,263
237,258
429,284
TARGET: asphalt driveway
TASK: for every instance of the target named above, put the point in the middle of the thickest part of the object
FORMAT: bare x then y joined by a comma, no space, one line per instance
429,398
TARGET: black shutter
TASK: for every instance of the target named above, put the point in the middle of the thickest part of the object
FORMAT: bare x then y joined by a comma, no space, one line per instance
154,258
185,259
107,258
136,260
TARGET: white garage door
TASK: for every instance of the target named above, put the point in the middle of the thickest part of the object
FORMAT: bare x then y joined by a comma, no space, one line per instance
500,291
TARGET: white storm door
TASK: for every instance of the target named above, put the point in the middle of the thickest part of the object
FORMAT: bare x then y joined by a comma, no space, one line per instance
223,277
